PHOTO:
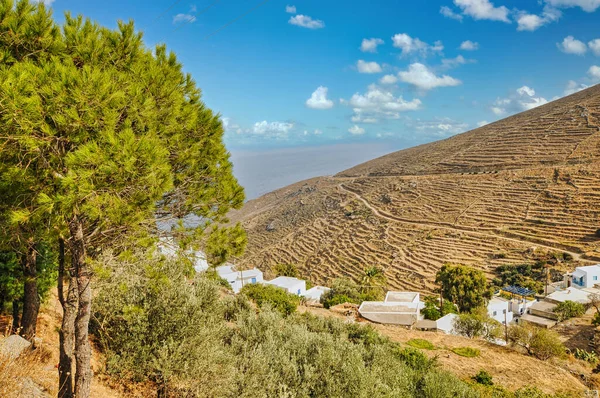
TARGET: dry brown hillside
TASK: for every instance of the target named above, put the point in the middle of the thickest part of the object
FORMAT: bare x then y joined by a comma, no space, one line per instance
509,192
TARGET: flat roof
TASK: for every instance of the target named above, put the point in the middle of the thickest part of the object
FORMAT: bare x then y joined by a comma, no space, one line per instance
285,281
401,297
588,267
385,308
543,306
570,293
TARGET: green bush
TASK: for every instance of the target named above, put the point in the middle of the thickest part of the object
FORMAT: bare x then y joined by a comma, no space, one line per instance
569,309
477,324
421,343
415,359
596,319
213,275
286,270
466,352
274,296
329,301
484,378
588,356
539,342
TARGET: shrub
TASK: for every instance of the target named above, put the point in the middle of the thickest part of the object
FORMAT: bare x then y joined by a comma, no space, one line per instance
477,324
596,320
483,377
286,270
588,356
466,352
329,301
415,359
569,309
214,276
541,343
421,343
274,296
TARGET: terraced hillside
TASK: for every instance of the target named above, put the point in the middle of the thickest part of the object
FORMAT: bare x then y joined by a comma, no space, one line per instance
513,191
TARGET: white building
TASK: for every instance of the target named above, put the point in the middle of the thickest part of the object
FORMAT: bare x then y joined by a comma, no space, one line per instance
292,285
446,323
399,308
315,293
500,309
168,248
585,277
239,279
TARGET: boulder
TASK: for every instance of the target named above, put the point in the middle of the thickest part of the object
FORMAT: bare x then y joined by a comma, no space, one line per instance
13,346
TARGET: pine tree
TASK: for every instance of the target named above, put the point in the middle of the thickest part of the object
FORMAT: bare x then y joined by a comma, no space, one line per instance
115,142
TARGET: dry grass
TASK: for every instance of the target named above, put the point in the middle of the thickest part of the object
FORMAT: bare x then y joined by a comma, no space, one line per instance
20,377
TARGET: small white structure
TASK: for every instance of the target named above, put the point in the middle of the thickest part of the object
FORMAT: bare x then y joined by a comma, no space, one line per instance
399,308
168,248
572,294
586,277
446,323
500,309
239,279
292,285
315,293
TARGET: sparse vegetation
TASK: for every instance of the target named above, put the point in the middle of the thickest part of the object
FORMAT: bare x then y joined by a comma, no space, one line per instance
468,352
345,290
538,342
421,344
588,356
569,309
484,378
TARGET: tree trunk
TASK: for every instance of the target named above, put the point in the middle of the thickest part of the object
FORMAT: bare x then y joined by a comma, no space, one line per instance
31,299
66,335
16,313
83,350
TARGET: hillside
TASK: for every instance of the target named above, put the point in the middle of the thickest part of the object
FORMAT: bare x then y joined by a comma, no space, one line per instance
514,191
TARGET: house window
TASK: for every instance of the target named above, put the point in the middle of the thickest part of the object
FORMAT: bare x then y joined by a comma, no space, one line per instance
581,281
495,313
595,277
504,311
298,292
253,280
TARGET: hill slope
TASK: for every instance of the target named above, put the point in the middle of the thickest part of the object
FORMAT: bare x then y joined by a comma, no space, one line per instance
507,193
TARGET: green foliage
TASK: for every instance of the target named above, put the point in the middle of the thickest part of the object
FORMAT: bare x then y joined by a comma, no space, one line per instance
539,342
477,324
468,352
373,282
345,290
526,275
421,343
286,270
464,286
484,378
588,356
277,298
156,325
596,319
569,309
214,276
433,311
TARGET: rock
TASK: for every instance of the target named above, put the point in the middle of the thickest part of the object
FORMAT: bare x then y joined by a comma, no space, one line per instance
13,346
32,390
271,226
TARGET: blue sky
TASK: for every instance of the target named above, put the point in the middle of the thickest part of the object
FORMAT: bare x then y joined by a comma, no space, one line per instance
390,74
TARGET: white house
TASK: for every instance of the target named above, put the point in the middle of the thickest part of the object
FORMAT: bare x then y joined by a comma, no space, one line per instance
292,285
586,277
446,323
315,293
168,248
399,308
500,309
239,279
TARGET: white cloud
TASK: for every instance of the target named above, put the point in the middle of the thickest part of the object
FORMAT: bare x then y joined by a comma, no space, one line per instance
411,45
454,62
469,45
355,130
379,103
525,90
594,72
439,127
531,22
183,18
570,45
306,22
420,76
594,45
319,100
586,5
483,9
388,79
368,67
448,13
290,9
573,87
482,123
272,129
370,45
523,99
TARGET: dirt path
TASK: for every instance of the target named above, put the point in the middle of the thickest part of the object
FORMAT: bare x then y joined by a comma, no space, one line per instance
448,226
